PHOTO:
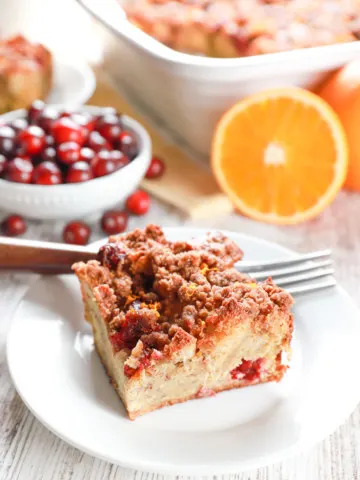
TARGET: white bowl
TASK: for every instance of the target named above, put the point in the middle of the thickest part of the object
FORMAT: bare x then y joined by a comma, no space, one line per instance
76,200
189,93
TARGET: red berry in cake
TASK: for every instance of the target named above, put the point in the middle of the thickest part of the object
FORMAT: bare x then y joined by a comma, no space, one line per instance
128,144
76,233
138,203
31,141
13,226
114,221
103,164
68,152
86,154
47,173
66,130
48,154
19,170
35,110
97,142
156,168
109,127
79,172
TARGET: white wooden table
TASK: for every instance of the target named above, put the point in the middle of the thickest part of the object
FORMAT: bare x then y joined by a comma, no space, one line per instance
28,451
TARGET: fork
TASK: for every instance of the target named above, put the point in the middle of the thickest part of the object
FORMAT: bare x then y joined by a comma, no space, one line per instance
296,274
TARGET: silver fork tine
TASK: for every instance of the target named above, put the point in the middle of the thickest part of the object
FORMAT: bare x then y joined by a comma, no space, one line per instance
245,266
312,287
303,277
304,267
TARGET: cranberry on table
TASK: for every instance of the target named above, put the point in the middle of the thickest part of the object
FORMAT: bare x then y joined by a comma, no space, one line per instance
76,233
31,141
66,130
97,142
3,161
114,221
13,225
47,118
138,203
156,168
47,173
79,172
7,140
48,154
103,164
86,154
68,152
19,124
19,170
109,127
34,111
128,144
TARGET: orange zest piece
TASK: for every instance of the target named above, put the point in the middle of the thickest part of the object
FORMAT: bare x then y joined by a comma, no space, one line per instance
281,155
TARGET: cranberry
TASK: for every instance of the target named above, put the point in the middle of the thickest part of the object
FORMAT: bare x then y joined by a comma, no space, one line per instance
47,173
87,154
114,221
77,233
156,168
79,172
69,152
138,203
128,144
86,121
248,370
49,140
66,130
110,255
109,127
48,154
7,140
19,170
103,164
34,111
13,225
31,141
19,124
3,161
47,118
97,142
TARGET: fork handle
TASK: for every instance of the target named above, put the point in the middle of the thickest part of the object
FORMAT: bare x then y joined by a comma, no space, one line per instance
40,257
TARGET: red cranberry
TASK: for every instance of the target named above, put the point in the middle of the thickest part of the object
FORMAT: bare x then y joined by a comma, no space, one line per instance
138,203
156,168
128,144
7,140
69,152
47,173
103,164
97,142
47,118
86,121
79,172
19,170
114,221
13,226
87,154
76,233
49,140
19,124
48,154
119,158
3,161
34,111
31,141
109,127
66,130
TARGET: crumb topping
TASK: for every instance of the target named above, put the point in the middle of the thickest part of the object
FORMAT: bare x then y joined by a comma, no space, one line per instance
164,294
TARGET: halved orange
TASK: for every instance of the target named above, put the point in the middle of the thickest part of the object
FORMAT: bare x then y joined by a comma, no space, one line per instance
280,155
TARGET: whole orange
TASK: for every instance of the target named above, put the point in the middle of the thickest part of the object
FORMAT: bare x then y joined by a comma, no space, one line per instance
342,92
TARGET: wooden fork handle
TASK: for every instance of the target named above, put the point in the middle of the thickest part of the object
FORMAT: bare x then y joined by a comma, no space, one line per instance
40,257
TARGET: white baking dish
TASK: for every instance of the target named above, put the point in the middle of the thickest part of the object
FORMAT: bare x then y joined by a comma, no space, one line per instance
189,93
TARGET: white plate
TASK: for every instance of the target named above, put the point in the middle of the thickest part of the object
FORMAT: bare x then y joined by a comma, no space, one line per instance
60,378
73,84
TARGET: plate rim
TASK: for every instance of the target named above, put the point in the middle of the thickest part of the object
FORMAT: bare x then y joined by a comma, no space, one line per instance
200,469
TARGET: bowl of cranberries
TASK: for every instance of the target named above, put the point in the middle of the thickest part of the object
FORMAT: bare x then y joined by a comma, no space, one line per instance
58,163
